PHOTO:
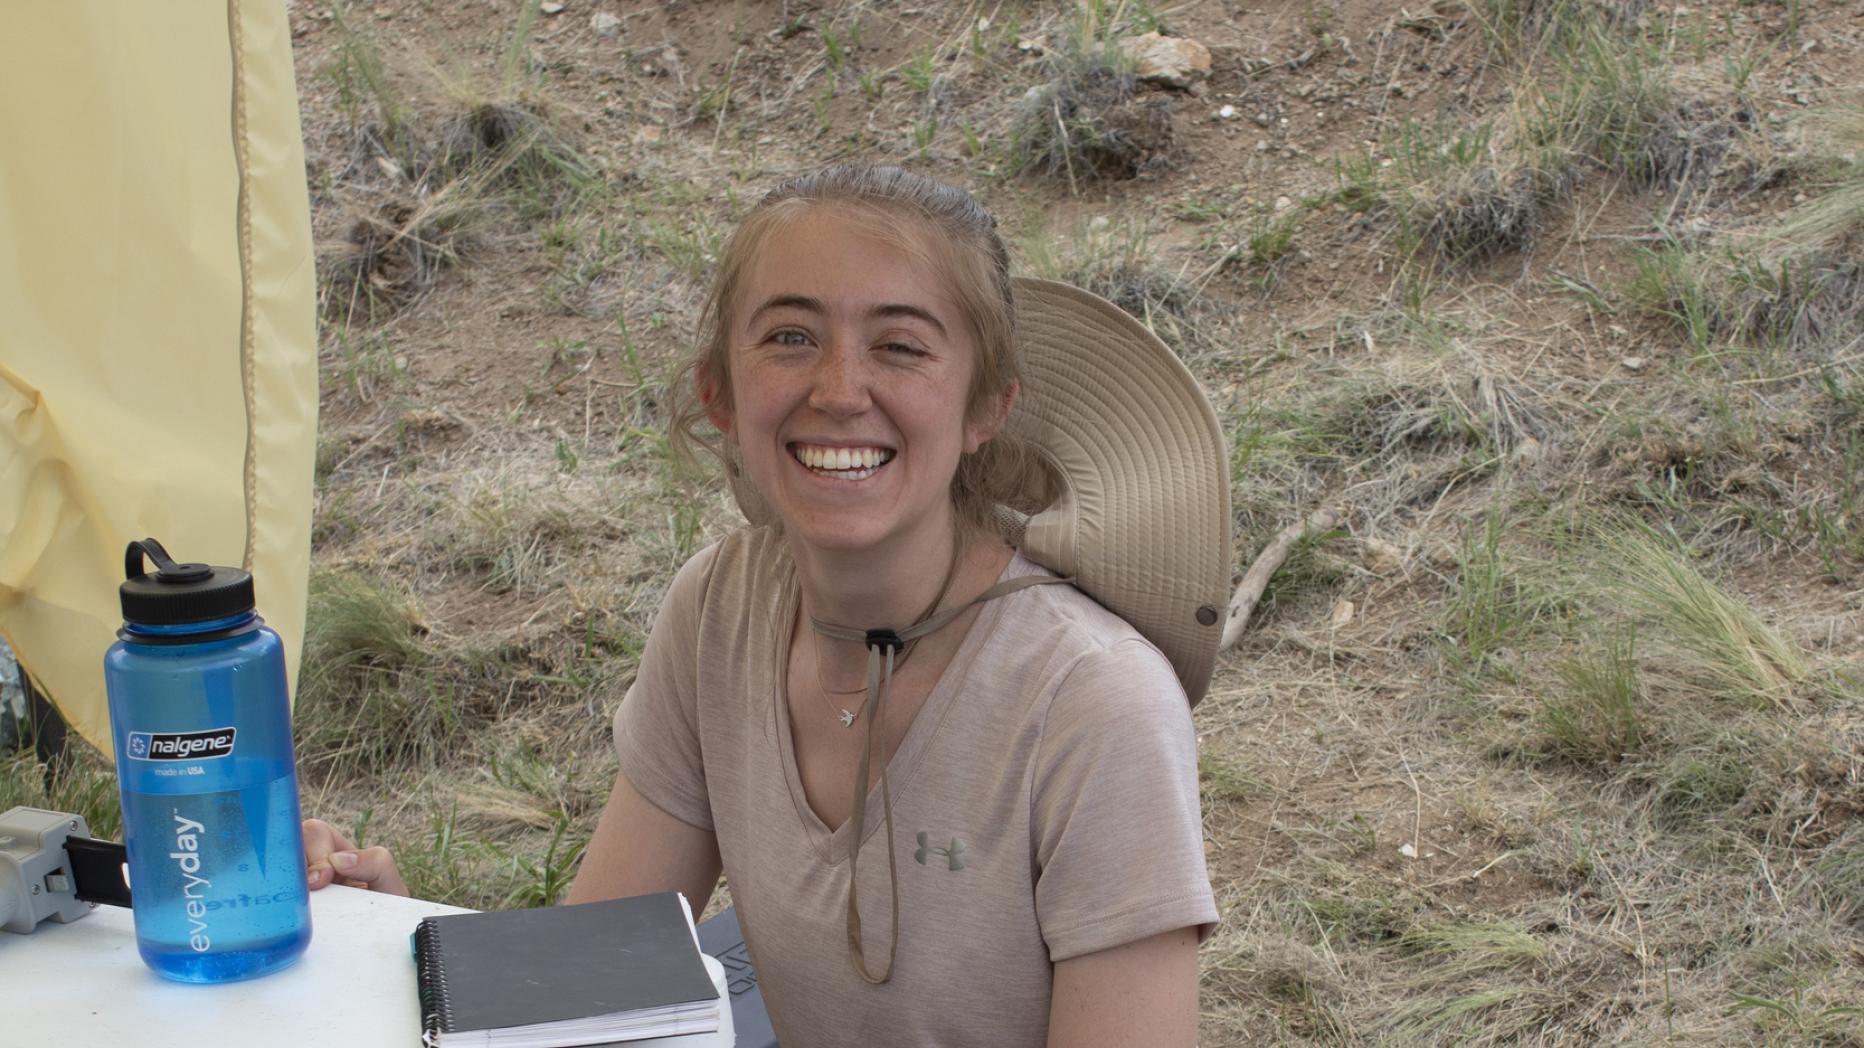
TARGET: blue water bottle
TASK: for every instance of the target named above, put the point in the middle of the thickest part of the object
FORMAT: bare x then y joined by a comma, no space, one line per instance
202,726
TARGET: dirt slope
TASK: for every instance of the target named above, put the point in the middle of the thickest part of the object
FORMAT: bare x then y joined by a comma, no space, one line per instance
1504,281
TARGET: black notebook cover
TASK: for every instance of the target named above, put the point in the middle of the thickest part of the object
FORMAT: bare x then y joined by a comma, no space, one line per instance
480,971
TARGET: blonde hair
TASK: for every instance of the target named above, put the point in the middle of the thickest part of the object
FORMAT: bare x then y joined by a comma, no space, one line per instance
938,226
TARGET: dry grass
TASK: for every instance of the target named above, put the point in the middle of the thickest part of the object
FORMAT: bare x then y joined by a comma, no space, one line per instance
1091,119
1484,770
1592,96
1724,644
436,162
1791,286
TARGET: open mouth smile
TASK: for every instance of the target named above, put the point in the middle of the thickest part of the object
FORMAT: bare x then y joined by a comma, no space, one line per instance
841,463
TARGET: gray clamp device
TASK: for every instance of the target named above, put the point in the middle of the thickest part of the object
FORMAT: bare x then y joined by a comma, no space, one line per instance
51,868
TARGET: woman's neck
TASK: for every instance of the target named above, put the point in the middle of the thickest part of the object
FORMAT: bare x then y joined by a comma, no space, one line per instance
874,589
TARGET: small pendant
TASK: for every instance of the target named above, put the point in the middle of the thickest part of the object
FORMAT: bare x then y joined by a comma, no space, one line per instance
847,718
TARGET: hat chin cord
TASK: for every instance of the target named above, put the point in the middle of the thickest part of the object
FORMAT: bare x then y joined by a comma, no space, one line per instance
882,645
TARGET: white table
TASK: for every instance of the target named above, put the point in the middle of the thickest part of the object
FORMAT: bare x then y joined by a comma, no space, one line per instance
83,985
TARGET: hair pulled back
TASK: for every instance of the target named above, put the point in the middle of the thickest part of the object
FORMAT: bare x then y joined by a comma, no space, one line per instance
939,226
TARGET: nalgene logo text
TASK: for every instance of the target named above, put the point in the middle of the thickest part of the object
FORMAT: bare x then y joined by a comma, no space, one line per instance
187,857
181,745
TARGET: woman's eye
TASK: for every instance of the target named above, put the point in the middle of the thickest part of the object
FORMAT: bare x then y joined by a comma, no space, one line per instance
904,349
790,338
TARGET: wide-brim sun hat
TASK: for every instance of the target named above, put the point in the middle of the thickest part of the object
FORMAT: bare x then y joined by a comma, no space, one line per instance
1130,471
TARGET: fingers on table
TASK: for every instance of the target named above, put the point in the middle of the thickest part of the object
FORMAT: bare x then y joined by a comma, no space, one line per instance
372,868
322,842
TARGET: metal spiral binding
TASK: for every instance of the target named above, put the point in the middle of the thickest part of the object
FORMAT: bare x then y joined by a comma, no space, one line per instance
436,1005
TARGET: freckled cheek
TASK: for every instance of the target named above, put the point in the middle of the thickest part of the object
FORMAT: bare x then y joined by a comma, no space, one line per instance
762,403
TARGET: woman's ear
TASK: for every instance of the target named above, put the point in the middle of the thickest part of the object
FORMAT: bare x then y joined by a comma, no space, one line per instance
990,422
713,399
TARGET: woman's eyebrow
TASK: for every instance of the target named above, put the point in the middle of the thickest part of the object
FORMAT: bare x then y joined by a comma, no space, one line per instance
804,302
902,309
814,305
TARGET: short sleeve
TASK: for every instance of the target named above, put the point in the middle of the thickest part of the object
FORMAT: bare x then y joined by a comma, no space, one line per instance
657,725
1118,836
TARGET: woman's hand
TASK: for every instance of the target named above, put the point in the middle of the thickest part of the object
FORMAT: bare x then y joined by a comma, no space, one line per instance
329,858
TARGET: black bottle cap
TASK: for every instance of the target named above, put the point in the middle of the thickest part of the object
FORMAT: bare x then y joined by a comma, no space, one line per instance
178,594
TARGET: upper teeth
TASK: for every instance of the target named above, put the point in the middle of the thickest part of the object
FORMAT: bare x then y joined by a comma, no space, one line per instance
841,458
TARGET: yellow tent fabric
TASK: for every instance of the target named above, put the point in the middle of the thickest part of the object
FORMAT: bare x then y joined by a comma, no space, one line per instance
157,336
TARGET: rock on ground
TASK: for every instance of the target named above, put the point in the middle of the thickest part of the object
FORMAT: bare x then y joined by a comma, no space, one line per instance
1174,61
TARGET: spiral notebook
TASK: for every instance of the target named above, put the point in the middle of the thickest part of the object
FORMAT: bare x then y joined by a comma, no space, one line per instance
594,973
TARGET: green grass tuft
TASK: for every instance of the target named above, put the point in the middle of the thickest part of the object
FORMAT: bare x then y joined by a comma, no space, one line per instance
1724,645
1459,948
1221,780
83,784
1699,786
1597,715
359,619
1493,1015
1492,606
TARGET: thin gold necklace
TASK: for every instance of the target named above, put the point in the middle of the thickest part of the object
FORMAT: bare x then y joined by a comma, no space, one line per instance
842,713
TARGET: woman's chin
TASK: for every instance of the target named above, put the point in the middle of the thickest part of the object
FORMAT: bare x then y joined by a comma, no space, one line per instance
841,537
864,531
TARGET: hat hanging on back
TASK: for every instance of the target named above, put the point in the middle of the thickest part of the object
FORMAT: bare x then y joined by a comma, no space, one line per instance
1141,514
1132,474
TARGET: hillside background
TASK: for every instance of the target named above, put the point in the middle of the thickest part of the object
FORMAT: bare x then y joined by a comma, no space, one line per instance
1556,736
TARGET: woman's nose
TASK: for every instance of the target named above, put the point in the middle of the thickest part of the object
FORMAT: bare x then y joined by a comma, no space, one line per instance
839,386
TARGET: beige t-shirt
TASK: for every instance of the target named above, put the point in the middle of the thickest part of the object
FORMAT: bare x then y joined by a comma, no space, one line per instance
1045,805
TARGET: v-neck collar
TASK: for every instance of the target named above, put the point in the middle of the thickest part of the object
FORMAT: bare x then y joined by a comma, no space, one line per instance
834,845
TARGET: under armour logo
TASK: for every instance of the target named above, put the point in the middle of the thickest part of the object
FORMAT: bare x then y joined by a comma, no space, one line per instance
950,852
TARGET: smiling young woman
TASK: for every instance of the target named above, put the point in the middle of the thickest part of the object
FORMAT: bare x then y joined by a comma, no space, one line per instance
853,368
883,699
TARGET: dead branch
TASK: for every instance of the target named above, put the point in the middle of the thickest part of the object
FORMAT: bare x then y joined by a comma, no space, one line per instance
1256,579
